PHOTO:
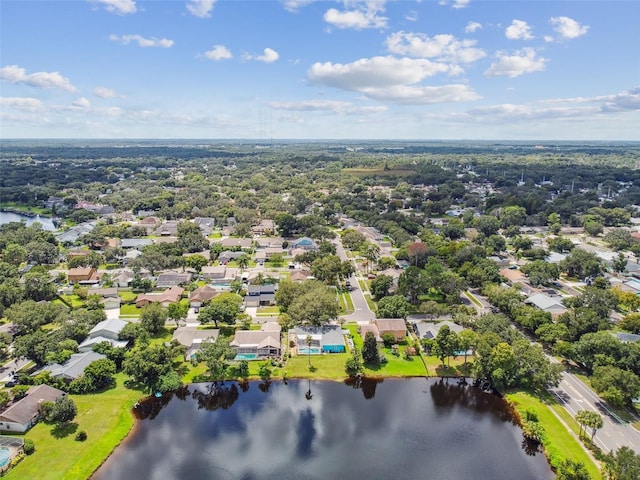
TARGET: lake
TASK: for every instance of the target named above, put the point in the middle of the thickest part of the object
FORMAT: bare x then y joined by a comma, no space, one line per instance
8,217
391,429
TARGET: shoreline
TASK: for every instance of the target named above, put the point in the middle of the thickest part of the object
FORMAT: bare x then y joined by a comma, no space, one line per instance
26,213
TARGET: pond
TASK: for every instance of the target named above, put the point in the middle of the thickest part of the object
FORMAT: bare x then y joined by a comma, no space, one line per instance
391,429
7,217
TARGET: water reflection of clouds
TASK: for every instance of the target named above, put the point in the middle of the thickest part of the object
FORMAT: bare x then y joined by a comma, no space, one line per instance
282,435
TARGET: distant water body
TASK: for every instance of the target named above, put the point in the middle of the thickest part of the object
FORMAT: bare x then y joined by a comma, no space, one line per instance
378,430
8,217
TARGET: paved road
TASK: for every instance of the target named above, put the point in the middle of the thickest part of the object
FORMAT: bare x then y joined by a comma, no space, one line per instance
362,312
574,395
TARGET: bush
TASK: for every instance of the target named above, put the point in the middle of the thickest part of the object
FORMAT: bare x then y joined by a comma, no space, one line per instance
81,436
29,446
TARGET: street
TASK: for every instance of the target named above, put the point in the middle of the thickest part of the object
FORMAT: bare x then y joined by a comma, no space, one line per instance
362,313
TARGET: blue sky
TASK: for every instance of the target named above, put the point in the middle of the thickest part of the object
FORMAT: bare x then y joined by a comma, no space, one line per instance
305,69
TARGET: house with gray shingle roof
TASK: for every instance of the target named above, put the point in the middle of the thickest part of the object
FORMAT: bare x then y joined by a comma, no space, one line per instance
553,305
72,368
105,331
25,413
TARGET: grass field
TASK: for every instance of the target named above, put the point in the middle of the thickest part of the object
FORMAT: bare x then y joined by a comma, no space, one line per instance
129,311
559,443
127,297
107,419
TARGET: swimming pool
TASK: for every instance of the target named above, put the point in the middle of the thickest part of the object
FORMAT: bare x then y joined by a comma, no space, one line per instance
246,356
5,456
309,351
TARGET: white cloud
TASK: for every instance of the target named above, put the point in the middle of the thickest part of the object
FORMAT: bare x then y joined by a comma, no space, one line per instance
333,106
445,47
82,103
472,27
16,74
510,112
142,41
518,30
218,52
365,15
457,4
390,79
568,28
21,103
104,92
412,16
295,5
524,61
201,8
269,56
121,7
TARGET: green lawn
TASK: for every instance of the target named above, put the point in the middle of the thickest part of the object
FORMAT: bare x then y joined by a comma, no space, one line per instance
127,297
455,366
559,442
268,311
346,304
129,311
325,367
74,300
107,419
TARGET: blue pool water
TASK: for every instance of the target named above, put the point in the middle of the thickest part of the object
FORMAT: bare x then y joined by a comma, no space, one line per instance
246,356
309,351
5,456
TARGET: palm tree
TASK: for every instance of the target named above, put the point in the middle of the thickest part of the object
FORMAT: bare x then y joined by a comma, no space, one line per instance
595,423
309,340
371,253
582,417
243,262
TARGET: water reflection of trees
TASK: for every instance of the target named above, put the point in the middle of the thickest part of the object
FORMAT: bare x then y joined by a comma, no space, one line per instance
367,385
216,396
452,392
150,407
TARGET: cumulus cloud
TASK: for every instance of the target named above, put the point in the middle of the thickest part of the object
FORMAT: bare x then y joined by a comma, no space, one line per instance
390,79
218,52
104,92
295,5
568,28
16,74
21,103
333,106
472,27
142,41
457,4
523,61
269,55
365,15
444,47
121,7
82,103
518,30
625,101
201,8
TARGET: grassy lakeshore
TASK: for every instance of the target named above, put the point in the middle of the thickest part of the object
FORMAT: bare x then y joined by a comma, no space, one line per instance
559,443
107,419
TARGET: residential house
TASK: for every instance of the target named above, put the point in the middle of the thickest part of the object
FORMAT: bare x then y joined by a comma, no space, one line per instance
429,330
257,343
150,224
123,279
274,242
228,256
266,226
105,331
20,416
206,224
137,243
83,275
324,339
170,295
108,297
260,296
395,326
214,272
299,275
201,295
304,243
513,275
71,254
371,327
168,229
236,242
192,338
553,305
72,368
169,279
74,233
